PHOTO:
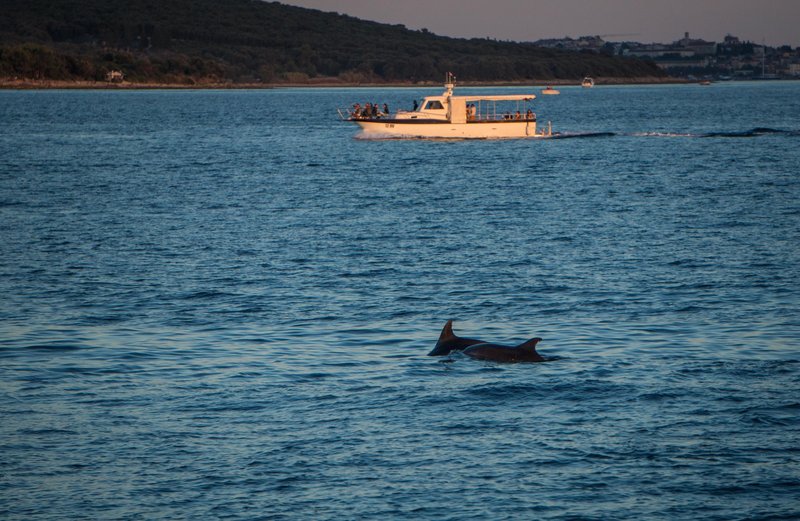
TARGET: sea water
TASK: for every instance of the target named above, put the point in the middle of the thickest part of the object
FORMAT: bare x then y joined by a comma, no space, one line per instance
218,305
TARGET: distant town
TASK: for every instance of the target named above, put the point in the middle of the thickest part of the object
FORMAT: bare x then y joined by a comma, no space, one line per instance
696,58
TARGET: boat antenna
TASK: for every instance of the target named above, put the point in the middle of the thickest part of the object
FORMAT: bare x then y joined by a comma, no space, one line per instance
449,83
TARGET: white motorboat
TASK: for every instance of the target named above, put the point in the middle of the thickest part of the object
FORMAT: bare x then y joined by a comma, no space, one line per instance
550,91
453,117
587,82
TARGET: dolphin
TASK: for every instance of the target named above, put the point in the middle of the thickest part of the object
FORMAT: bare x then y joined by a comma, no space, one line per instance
448,341
525,352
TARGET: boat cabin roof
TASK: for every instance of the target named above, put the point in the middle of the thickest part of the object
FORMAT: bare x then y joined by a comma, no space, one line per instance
487,97
510,97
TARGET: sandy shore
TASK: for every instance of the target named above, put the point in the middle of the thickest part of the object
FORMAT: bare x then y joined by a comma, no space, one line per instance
21,84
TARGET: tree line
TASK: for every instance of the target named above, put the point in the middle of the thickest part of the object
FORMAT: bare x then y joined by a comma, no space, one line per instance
185,41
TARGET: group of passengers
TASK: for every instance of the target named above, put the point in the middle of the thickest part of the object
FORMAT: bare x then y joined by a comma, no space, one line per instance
508,116
529,116
369,111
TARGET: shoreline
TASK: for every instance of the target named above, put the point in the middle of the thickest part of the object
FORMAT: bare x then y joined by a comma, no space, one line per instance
30,84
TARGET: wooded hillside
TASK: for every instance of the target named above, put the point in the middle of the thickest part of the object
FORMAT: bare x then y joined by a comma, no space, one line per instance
189,41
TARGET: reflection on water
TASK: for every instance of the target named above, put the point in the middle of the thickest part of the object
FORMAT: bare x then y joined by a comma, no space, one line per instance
219,304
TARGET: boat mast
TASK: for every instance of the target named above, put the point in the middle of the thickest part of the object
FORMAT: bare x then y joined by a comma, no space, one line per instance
449,83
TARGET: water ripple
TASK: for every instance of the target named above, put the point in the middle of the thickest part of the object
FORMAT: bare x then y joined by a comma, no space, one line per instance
234,324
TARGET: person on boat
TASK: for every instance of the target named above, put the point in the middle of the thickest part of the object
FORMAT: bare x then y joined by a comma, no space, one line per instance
529,115
356,110
517,116
415,105
471,112
386,109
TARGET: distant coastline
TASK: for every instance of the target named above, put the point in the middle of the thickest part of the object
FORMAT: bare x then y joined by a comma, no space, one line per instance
30,84
246,44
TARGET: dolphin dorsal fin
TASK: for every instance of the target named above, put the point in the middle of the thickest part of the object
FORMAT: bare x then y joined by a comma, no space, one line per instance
447,331
530,345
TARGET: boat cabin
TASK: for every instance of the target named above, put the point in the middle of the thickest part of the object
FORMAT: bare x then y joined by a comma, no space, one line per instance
450,116
472,109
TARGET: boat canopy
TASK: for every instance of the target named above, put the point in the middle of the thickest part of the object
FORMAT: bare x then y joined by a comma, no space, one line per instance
509,97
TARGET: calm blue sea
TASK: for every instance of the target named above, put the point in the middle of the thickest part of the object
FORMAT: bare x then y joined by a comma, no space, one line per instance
218,304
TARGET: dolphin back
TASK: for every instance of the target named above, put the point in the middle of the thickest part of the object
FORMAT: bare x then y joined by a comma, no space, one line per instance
530,345
525,352
529,350
448,341
447,332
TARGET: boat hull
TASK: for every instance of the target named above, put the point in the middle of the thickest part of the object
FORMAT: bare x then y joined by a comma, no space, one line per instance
403,128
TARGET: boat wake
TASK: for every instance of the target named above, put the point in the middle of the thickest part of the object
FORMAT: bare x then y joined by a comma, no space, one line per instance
756,132
580,135
760,131
661,134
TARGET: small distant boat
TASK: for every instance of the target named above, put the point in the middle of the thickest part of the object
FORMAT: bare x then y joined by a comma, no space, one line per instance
705,82
587,82
551,91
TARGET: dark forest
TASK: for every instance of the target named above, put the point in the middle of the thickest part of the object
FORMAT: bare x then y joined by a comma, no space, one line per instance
250,41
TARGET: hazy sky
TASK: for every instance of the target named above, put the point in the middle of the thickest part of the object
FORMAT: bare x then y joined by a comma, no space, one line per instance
777,22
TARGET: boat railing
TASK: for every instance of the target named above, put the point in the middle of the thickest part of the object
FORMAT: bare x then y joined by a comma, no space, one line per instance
501,117
349,114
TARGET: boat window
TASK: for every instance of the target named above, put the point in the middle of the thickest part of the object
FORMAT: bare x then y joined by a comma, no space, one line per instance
435,104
